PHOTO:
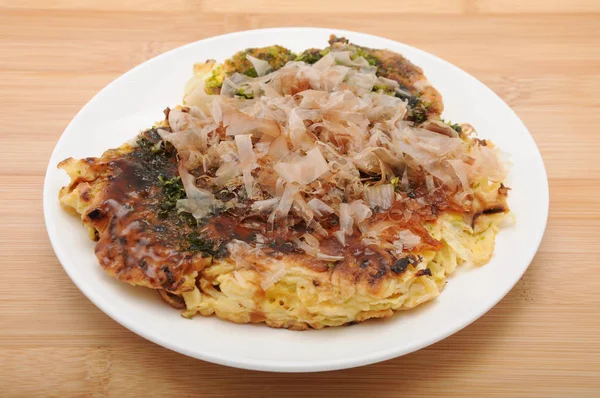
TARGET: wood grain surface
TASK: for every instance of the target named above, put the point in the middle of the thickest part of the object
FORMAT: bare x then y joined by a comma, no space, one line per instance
540,56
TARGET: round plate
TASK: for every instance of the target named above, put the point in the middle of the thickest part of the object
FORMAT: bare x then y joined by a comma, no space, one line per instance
135,100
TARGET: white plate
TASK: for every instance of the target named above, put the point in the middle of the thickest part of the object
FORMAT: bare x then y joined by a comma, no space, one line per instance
135,100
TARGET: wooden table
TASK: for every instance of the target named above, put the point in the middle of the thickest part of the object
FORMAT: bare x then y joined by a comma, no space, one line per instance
541,56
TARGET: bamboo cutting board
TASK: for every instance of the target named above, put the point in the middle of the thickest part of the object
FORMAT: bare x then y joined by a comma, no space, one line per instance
542,57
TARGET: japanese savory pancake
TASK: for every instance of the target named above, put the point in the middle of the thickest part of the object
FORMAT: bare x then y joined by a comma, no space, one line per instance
300,190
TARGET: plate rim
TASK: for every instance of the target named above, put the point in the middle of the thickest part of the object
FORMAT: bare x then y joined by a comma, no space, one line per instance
269,365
